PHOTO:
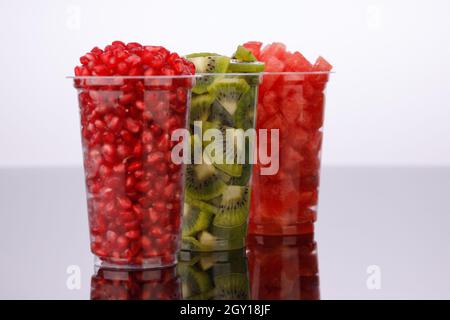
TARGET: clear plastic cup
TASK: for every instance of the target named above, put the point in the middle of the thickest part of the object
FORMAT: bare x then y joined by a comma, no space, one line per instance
156,284
214,275
134,189
283,268
218,188
285,189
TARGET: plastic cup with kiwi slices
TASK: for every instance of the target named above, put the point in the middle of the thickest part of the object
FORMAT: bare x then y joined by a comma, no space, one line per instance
214,275
217,193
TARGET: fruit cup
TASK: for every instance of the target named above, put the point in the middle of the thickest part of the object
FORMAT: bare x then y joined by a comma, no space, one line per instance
134,189
283,268
217,198
113,284
214,275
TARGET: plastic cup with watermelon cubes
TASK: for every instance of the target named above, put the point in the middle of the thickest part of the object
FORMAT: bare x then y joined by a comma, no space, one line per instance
291,100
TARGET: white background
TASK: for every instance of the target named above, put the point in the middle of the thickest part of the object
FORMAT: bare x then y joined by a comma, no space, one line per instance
388,103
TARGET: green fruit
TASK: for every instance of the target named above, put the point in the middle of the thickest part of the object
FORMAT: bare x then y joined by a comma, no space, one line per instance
202,182
244,178
200,54
194,282
208,64
233,286
243,54
220,116
194,220
245,67
200,107
244,116
231,238
234,207
229,92
202,205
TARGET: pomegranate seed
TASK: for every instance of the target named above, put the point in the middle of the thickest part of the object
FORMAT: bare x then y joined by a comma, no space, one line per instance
124,203
132,125
133,234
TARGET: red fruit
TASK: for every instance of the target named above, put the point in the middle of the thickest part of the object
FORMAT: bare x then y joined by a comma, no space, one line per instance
254,47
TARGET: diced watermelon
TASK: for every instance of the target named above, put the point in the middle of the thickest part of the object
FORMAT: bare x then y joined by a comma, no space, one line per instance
293,107
275,49
254,47
297,62
322,65
273,64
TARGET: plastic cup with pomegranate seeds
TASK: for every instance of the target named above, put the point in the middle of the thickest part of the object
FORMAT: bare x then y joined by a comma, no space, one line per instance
132,98
214,275
134,189
283,268
157,284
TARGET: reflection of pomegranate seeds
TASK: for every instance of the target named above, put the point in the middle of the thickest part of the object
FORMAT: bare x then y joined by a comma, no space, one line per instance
126,125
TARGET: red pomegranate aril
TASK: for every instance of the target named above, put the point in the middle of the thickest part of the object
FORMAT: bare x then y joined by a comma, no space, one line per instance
124,202
143,186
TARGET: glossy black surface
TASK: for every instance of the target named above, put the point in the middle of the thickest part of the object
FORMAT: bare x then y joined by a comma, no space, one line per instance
382,233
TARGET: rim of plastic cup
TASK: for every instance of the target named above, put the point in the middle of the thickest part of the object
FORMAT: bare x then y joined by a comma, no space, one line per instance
231,74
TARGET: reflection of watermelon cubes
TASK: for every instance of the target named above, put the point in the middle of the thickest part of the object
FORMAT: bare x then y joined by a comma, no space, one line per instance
291,99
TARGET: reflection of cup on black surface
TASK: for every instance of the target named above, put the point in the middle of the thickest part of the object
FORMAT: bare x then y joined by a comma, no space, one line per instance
214,275
283,268
158,284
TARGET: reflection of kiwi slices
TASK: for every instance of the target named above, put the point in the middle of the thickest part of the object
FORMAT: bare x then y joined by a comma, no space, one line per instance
202,182
220,116
245,67
194,282
194,220
234,207
200,107
207,64
245,113
228,92
233,286
243,54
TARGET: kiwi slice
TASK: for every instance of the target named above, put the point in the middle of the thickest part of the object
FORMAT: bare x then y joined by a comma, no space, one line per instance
233,286
200,107
202,205
244,178
202,182
234,206
243,54
220,116
244,116
245,67
208,64
194,220
228,92
200,54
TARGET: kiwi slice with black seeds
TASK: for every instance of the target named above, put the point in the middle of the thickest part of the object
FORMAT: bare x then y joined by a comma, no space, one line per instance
202,182
194,220
234,207
228,92
207,206
220,116
208,64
